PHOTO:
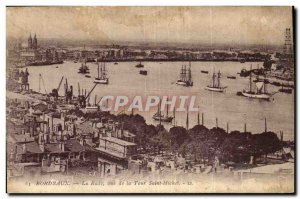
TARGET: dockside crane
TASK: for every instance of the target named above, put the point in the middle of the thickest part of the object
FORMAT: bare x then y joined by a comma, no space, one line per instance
41,79
89,93
56,90
83,98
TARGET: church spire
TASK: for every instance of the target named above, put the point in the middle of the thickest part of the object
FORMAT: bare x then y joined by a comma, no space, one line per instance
30,42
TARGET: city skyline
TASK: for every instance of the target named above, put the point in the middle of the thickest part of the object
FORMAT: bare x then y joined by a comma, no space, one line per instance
154,25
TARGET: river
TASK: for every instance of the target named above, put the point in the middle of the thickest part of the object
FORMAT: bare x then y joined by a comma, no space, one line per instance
124,79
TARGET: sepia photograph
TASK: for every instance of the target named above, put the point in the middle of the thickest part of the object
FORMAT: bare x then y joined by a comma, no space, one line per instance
150,100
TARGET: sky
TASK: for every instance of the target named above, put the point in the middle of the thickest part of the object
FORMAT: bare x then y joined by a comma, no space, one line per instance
195,25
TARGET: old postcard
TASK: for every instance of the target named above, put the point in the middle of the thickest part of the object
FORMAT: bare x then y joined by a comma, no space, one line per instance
150,99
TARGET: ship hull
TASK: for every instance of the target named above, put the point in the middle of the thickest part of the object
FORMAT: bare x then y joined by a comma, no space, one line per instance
183,83
163,119
101,81
256,96
221,89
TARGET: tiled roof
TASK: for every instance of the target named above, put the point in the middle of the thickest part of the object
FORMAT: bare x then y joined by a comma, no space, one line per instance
85,128
21,138
52,148
73,145
118,141
33,147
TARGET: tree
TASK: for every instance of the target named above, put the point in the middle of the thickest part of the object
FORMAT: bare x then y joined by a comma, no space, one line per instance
178,135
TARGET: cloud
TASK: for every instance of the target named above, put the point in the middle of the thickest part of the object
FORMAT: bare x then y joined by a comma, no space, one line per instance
215,25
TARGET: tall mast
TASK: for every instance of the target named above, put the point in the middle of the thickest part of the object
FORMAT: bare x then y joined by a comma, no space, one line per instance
174,117
98,70
219,76
101,70
213,79
250,79
187,120
159,107
190,72
265,89
39,83
198,118
167,109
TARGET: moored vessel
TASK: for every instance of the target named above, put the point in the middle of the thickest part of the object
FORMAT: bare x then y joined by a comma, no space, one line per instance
216,84
143,72
102,74
158,116
185,78
259,91
84,69
140,65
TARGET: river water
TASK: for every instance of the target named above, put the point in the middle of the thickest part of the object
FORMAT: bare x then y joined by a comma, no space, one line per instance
124,79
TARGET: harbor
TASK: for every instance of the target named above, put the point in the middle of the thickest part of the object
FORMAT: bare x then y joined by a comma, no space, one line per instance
212,104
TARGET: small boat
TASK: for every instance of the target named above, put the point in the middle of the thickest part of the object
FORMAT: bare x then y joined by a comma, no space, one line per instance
216,85
88,76
140,65
116,63
231,77
204,71
102,75
56,67
143,72
185,76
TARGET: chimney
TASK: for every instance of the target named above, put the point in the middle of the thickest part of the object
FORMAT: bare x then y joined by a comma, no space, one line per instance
63,118
46,136
42,147
52,123
40,141
24,147
62,146
50,136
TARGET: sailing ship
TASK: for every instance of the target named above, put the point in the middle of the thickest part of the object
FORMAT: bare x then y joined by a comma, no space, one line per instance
102,74
84,69
185,78
259,91
158,116
216,84
140,65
